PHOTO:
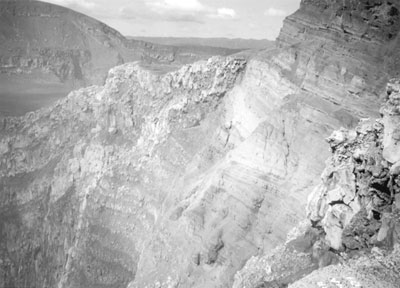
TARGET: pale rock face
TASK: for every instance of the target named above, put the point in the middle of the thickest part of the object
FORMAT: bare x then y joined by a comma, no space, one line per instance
334,202
376,270
178,176
340,55
391,121
69,155
342,194
353,211
370,155
177,180
165,173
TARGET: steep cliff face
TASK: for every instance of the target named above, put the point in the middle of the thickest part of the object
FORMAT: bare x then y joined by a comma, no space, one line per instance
358,202
154,179
363,171
87,186
158,180
342,50
354,215
176,180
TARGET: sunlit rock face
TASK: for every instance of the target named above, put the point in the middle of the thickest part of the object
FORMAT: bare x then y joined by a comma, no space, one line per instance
177,180
352,236
154,179
343,193
157,179
89,186
150,179
357,204
344,52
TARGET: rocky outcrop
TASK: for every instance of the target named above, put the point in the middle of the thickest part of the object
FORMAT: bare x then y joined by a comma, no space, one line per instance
359,185
344,52
334,66
176,180
362,221
354,215
191,169
303,252
194,169
88,188
377,269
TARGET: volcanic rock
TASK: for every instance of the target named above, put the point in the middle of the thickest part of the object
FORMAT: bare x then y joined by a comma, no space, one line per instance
354,219
176,180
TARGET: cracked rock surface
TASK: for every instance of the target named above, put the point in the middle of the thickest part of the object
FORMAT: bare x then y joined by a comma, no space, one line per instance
177,180
353,235
171,180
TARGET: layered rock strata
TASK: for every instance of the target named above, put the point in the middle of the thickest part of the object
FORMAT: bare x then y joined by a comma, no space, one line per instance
358,204
354,215
342,50
360,184
156,180
84,183
177,180
173,177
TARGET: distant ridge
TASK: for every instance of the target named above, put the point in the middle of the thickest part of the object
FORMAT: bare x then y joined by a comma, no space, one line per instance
47,50
232,43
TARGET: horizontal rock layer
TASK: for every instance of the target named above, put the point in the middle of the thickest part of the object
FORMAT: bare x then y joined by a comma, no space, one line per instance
177,180
192,169
342,50
354,216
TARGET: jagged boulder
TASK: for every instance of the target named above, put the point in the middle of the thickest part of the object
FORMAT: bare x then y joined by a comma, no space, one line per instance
357,203
353,212
341,194
391,120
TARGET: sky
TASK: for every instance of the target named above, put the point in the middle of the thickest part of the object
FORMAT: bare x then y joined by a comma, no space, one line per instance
258,19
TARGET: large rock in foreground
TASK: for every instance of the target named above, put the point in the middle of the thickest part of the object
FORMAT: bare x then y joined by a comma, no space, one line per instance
358,203
354,216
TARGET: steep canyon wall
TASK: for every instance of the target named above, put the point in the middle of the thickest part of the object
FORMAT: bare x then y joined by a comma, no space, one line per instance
176,180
